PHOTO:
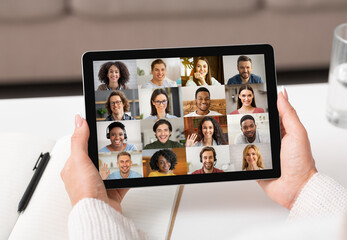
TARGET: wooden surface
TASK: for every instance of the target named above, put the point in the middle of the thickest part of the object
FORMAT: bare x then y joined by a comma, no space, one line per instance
217,105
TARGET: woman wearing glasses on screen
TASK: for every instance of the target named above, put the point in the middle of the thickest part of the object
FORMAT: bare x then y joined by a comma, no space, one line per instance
252,159
160,105
114,76
117,104
209,134
246,101
202,74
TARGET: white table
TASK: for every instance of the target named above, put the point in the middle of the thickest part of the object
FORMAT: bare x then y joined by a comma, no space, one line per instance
207,211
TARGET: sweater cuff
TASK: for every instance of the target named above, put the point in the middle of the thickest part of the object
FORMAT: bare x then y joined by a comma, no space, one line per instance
94,219
321,196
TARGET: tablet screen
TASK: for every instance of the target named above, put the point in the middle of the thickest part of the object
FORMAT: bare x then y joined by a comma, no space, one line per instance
177,116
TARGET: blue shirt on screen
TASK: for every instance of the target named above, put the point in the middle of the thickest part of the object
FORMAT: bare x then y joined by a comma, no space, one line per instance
237,79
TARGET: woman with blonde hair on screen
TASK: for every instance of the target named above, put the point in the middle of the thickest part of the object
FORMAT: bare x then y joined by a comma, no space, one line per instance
252,159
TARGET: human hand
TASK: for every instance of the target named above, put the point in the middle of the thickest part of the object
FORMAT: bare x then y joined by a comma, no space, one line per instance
104,171
191,140
201,79
81,178
297,163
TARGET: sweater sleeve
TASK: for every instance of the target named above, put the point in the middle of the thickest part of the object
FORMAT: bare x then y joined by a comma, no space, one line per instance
94,219
321,196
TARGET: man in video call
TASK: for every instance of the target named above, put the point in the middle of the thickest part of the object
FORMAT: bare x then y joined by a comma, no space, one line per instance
250,134
245,76
202,102
162,130
208,159
124,164
158,70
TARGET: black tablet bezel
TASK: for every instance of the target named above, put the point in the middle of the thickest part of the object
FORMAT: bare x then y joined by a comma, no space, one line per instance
271,84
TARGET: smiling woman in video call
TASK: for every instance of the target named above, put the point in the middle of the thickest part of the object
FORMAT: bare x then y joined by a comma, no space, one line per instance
209,134
160,105
252,159
202,74
114,76
118,137
163,163
246,101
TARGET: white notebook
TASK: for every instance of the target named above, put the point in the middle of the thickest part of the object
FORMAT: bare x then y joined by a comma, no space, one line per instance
153,209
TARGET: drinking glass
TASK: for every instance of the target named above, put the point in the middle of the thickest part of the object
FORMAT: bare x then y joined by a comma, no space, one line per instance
337,94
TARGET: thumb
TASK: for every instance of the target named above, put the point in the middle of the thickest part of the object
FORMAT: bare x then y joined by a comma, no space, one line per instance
290,119
79,139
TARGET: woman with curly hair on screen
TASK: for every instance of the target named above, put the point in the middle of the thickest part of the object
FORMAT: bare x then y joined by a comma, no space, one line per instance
114,76
209,134
252,159
163,163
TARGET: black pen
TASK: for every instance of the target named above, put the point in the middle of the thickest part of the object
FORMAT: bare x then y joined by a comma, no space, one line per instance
40,168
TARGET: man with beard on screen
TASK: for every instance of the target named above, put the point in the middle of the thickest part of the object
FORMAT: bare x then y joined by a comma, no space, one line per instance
208,159
124,164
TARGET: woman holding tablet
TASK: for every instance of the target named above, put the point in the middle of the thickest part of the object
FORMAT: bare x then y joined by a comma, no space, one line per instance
209,133
117,104
118,136
202,74
163,162
246,101
114,76
160,105
252,159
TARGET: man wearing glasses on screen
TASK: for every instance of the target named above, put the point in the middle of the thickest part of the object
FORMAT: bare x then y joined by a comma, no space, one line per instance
209,160
202,102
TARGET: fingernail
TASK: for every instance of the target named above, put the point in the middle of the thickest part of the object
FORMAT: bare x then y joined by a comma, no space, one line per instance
78,120
284,91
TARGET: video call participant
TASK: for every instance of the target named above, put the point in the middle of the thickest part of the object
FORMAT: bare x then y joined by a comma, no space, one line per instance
252,159
208,160
163,162
202,102
158,70
124,164
118,137
162,130
209,134
250,134
246,101
202,74
244,66
117,104
114,76
160,105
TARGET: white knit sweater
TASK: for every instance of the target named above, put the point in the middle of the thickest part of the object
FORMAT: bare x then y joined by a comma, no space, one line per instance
94,219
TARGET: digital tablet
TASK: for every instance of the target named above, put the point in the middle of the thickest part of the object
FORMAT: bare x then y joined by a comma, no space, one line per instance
182,115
